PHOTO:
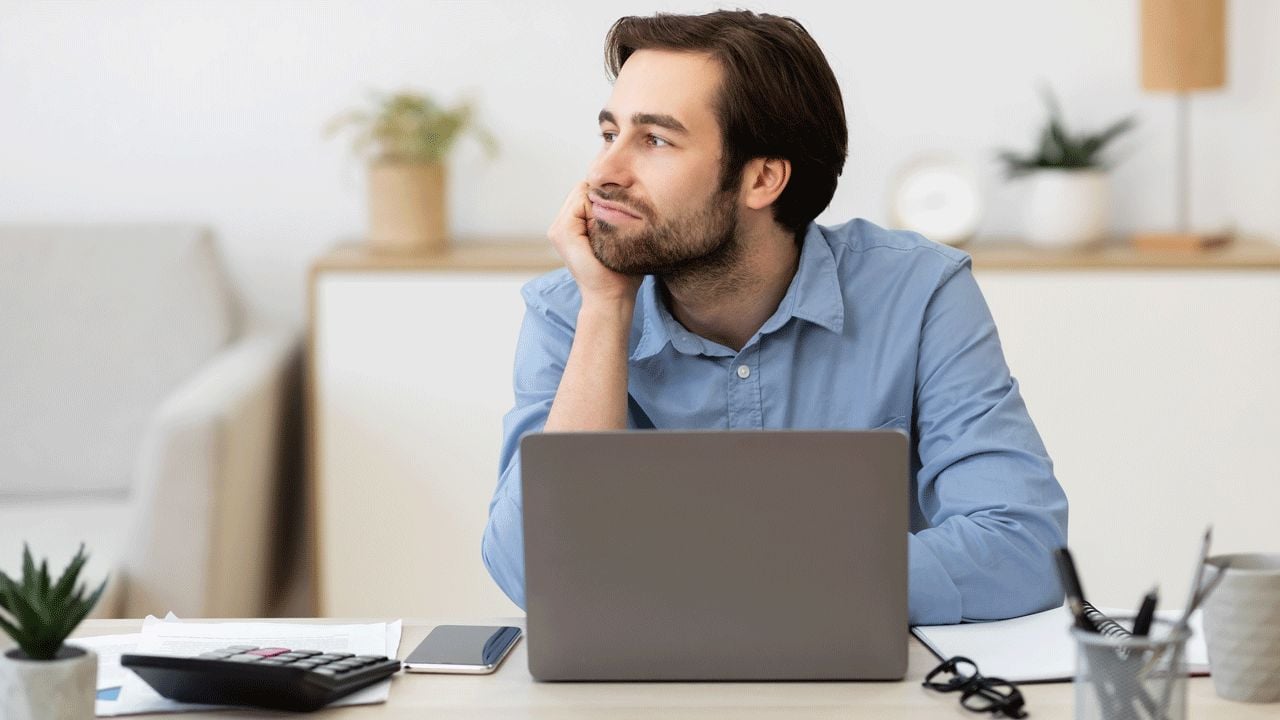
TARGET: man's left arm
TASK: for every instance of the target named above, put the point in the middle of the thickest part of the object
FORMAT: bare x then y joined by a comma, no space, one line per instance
994,510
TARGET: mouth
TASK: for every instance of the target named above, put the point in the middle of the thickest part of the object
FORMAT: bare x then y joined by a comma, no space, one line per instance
610,212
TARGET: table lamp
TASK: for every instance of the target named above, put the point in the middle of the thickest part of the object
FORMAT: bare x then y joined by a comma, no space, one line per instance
1184,48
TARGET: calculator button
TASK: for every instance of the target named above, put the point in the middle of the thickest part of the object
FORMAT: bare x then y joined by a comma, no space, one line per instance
341,656
325,671
269,661
371,658
245,658
239,648
325,658
215,655
269,652
306,652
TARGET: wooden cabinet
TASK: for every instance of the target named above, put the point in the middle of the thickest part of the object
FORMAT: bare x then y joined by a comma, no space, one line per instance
1153,379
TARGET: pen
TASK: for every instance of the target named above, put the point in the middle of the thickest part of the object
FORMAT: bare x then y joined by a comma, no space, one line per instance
1197,576
1071,585
1142,624
1196,579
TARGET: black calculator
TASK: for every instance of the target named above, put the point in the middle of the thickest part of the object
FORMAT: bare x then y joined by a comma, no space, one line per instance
276,678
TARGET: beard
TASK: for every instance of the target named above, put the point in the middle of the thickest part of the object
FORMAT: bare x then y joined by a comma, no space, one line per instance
695,246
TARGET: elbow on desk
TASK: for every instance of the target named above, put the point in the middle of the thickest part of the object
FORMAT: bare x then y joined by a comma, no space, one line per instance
1043,593
502,551
1030,586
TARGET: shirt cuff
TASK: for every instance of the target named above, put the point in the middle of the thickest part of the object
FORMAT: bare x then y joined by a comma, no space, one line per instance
934,598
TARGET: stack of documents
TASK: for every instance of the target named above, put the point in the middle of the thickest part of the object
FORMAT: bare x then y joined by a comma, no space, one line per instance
1034,648
120,692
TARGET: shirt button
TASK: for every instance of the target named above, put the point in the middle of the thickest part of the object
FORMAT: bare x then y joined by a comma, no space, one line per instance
744,372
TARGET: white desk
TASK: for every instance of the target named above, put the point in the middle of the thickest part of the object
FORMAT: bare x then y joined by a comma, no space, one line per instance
512,693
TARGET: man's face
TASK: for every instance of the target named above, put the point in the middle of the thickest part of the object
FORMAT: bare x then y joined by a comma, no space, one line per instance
655,186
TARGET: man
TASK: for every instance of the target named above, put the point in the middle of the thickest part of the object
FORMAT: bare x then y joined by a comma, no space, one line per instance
698,293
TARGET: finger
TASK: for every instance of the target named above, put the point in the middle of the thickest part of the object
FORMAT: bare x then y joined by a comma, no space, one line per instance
568,209
570,200
584,204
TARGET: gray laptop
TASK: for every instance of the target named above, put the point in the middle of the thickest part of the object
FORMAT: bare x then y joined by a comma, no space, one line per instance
719,555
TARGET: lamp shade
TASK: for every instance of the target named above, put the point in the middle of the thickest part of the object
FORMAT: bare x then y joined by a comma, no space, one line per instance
1184,44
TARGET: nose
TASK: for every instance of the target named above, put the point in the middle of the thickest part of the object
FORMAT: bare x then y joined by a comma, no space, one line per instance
612,166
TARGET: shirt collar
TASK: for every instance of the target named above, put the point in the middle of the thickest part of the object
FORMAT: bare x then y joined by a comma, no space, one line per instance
814,295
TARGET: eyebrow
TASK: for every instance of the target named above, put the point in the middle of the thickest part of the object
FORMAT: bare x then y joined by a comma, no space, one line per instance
658,119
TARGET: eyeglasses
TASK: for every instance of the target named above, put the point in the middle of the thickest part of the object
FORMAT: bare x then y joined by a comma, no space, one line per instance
978,693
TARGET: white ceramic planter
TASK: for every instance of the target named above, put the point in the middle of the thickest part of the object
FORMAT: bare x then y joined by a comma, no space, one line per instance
1066,208
59,689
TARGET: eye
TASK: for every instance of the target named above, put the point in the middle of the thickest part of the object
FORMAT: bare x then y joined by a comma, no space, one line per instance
656,141
608,135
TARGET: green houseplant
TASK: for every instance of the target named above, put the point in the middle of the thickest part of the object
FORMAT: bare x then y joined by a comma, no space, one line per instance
44,678
1069,184
406,138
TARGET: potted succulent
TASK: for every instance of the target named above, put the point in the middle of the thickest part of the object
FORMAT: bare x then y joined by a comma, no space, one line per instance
44,678
1068,200
406,138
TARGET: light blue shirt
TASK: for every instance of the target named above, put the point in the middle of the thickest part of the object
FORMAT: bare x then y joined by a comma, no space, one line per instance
878,329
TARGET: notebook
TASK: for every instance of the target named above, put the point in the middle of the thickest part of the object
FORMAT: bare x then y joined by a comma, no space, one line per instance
1035,648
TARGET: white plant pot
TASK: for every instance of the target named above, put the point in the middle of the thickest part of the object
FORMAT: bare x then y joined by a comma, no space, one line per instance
60,689
1066,208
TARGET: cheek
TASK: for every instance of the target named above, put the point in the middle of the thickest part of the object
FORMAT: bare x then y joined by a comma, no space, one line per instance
676,190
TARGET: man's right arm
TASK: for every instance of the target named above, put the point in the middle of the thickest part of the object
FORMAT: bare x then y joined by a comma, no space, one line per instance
587,390
593,392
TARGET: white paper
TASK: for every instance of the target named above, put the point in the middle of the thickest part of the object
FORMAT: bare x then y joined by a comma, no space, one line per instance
1035,648
175,637
109,648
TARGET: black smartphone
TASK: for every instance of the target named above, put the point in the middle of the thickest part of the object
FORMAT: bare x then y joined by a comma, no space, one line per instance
472,649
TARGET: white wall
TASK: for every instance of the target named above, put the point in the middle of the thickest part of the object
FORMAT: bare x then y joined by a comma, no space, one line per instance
211,111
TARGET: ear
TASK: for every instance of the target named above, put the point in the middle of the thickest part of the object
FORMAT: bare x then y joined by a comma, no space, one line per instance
763,181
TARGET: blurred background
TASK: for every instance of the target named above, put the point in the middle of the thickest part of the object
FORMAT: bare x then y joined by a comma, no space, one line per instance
213,111
176,149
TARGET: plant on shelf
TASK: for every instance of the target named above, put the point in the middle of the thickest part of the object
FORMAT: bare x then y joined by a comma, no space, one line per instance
408,127
1059,149
406,138
1067,205
43,677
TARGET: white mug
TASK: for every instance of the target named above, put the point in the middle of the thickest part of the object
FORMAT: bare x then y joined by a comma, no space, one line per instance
1242,627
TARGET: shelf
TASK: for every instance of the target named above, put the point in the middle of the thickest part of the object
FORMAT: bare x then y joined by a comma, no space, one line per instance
480,254
1248,254
523,254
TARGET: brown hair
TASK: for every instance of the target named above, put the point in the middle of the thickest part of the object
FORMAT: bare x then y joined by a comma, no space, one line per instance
779,98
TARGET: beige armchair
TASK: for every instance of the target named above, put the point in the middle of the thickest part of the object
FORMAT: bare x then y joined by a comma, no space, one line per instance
137,417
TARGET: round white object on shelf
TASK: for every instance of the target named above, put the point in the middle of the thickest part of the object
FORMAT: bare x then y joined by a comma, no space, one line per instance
938,197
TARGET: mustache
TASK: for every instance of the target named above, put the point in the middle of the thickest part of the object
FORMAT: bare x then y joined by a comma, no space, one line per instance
622,197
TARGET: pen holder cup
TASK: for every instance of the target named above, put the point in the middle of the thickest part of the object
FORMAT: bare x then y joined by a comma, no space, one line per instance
1132,678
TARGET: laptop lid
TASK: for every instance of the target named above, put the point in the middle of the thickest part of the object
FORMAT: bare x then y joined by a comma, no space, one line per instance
716,555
